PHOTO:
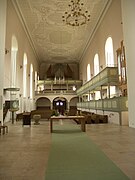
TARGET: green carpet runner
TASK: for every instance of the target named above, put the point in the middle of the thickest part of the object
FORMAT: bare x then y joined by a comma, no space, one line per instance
74,156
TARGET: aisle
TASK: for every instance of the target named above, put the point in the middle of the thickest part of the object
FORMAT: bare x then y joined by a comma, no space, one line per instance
74,156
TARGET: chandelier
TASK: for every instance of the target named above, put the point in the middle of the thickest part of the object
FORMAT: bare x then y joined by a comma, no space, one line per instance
76,16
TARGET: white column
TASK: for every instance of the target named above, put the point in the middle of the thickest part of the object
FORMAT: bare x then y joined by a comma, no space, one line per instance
128,14
68,106
3,7
51,105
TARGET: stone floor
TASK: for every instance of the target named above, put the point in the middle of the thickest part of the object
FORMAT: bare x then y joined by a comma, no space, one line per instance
24,150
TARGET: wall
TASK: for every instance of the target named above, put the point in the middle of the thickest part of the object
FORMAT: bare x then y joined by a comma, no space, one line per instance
125,118
128,13
110,26
3,4
15,28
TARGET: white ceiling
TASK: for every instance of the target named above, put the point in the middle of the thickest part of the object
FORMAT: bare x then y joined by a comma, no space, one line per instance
53,40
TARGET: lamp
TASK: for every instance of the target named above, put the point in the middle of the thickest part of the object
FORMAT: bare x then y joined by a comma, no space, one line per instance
21,66
74,88
76,16
6,51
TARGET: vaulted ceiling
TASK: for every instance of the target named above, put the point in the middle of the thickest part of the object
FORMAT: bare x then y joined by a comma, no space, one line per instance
53,41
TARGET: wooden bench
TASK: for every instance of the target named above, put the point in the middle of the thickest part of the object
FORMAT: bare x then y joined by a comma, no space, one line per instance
45,114
92,118
19,116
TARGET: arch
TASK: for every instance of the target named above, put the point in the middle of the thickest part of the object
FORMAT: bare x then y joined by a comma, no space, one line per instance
60,104
88,72
73,105
74,101
43,103
14,49
14,44
109,57
96,64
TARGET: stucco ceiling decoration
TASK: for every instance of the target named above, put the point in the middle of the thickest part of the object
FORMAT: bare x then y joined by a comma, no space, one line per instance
52,39
60,37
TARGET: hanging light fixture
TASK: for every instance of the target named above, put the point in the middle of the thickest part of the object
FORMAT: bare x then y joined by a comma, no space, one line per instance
76,16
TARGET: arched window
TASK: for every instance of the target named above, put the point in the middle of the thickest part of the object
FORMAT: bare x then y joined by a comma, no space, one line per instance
109,57
31,81
14,50
109,52
35,80
24,74
88,72
96,64
96,71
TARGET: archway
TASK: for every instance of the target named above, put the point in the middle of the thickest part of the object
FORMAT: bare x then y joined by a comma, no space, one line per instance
60,105
43,103
73,106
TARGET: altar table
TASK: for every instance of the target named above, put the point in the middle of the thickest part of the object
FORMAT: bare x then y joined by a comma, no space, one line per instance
81,118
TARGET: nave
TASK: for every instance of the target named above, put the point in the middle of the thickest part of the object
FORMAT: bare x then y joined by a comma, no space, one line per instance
24,150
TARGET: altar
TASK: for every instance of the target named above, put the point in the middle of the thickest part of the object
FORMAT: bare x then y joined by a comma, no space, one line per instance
81,118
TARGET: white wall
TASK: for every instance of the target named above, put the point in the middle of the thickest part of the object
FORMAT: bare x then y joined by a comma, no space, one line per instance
117,21
2,52
110,26
15,28
128,13
125,118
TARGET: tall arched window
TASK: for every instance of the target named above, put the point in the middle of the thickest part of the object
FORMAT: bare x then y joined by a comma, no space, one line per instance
96,64
14,50
31,81
96,71
109,57
24,74
35,80
88,72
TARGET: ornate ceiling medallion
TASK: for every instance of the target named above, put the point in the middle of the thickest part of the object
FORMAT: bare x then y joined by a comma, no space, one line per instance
76,16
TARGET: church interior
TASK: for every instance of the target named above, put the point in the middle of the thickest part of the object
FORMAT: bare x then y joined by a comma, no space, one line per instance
65,59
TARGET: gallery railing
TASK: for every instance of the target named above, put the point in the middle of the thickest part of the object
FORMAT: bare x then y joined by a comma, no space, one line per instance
57,86
108,76
116,104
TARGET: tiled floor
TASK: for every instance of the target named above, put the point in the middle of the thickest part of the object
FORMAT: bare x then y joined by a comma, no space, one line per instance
24,150
118,143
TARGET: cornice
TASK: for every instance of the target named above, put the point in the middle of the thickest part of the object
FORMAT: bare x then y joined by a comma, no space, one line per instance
21,18
99,21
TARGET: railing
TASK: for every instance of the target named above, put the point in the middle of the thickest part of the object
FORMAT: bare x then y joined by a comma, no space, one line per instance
58,82
109,75
57,86
116,104
49,92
